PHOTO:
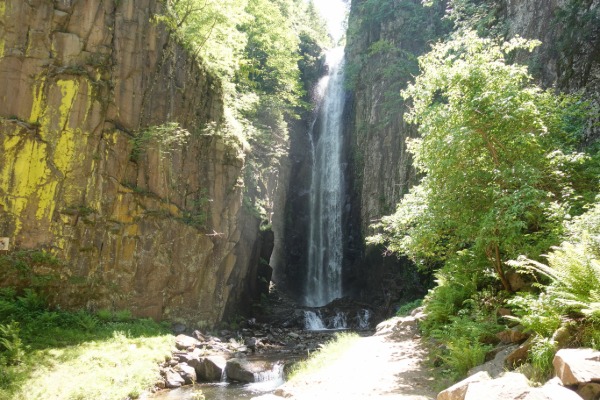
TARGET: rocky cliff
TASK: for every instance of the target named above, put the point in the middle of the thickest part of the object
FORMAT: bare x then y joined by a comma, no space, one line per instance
91,94
385,38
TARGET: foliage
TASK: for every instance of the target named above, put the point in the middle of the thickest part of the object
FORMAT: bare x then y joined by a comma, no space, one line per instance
165,137
258,49
499,190
466,339
44,350
541,355
483,16
11,346
406,308
571,293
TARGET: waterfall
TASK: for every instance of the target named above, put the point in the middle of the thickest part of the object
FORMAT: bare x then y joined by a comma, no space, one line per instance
363,319
325,249
313,321
339,320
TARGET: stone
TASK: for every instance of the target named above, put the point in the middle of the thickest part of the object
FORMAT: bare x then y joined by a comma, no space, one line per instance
509,386
192,359
519,355
199,336
184,342
211,368
242,370
496,366
589,391
187,372
513,335
458,390
575,366
109,71
552,392
67,46
173,379
562,337
239,369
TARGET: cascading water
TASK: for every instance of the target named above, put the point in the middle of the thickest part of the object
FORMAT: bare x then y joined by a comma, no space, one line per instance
325,249
313,321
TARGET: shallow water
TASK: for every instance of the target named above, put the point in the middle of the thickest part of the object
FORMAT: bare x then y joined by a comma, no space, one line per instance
220,391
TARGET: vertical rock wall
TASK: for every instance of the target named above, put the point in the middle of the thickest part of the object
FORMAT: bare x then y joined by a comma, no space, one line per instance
384,39
162,233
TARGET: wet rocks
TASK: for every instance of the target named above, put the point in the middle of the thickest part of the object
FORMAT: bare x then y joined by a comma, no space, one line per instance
211,368
236,355
173,379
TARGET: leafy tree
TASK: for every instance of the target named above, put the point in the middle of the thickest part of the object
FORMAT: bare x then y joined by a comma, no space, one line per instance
492,151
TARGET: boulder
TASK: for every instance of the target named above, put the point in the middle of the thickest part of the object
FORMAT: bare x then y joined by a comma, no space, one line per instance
187,372
589,391
458,391
577,366
509,386
183,342
562,337
239,369
211,368
552,392
519,355
173,379
514,335
496,366
192,359
242,370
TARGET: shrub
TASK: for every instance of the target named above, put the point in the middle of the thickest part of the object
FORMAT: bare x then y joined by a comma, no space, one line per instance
406,308
541,355
11,347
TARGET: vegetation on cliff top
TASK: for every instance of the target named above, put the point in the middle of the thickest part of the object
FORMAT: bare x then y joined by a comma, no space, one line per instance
266,54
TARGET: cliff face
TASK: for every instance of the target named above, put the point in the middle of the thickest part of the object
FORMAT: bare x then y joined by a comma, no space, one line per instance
140,223
384,39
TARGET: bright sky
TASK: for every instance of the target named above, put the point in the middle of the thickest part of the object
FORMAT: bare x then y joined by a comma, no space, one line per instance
334,12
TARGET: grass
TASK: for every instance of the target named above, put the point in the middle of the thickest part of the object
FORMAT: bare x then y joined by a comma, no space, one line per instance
54,354
327,355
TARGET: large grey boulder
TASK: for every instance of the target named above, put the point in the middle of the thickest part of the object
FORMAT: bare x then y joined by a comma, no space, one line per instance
240,369
575,366
496,366
184,342
187,372
458,390
173,379
210,369
509,386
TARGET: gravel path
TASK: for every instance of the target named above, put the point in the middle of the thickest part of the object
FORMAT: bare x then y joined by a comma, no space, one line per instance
388,365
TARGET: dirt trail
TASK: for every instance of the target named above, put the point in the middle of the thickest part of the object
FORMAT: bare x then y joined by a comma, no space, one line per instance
388,365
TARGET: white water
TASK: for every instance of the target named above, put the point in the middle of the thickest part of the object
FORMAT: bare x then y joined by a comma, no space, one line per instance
313,321
339,321
363,318
325,249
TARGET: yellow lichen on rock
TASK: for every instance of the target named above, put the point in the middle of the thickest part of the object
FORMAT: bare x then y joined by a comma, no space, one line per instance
2,14
38,100
25,178
65,148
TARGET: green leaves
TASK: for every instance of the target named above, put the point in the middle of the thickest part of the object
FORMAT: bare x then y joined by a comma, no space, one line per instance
488,147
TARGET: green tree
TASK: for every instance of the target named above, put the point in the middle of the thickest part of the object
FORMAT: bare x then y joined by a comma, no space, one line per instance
492,149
